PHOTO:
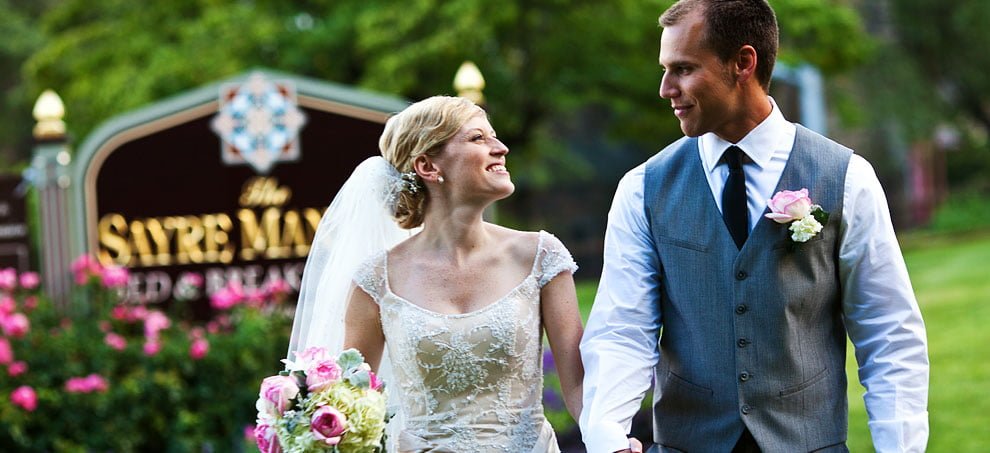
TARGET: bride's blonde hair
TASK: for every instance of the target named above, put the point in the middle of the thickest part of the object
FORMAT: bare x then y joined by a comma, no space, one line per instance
422,128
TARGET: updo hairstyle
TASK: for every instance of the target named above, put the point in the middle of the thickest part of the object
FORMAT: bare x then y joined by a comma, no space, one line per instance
422,128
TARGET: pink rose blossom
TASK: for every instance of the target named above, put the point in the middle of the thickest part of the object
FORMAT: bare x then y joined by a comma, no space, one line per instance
312,354
155,322
95,383
17,368
16,325
6,352
88,384
115,341
227,298
30,303
7,305
255,297
788,205
199,348
276,394
85,267
151,347
24,397
8,279
321,374
376,383
328,425
114,277
30,280
264,436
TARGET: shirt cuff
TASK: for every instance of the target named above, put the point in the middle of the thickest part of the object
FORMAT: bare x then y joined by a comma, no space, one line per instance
909,434
605,438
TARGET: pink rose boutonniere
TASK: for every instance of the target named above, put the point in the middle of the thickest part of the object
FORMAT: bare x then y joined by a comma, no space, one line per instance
796,208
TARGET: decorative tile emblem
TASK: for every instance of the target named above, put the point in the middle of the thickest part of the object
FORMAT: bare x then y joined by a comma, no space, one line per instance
258,123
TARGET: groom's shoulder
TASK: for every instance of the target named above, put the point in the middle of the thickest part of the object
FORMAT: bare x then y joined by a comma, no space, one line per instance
674,150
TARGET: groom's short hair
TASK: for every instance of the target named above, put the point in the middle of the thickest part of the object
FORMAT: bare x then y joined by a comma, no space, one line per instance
731,24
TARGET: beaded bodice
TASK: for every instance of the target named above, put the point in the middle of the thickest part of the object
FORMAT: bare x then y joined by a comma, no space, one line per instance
473,381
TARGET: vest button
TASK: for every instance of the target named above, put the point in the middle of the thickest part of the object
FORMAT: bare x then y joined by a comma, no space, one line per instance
745,409
741,275
742,342
741,308
744,376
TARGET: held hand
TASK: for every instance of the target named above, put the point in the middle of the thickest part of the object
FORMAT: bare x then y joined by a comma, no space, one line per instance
635,446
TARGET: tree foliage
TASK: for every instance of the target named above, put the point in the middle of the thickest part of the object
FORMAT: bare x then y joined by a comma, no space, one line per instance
546,62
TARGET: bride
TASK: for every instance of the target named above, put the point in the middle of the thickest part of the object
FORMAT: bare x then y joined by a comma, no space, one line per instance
458,308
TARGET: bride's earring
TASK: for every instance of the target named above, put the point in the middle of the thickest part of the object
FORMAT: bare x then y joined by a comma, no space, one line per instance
440,179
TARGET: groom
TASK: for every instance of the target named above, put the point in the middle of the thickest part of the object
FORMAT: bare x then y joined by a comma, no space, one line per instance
742,325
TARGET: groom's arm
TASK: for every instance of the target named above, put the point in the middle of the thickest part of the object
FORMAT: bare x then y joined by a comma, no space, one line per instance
882,317
619,347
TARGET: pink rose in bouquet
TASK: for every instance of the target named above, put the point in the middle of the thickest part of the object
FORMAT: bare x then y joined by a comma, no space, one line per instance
327,425
277,393
322,374
374,381
264,436
322,403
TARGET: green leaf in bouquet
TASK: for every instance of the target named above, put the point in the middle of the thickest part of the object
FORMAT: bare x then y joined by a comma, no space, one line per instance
350,359
360,379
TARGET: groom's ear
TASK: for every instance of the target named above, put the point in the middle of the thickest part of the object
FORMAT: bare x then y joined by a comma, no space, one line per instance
426,169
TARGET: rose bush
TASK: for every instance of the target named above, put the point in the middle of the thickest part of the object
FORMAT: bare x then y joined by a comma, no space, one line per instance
101,375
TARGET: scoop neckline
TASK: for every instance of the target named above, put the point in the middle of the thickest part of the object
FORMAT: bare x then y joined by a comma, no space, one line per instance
514,290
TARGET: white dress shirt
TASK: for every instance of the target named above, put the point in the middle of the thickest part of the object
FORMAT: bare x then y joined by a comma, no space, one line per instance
620,343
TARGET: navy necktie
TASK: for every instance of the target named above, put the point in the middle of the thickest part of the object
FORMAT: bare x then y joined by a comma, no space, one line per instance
734,209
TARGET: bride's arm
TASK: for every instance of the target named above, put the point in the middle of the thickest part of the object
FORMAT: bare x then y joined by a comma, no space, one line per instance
562,321
363,327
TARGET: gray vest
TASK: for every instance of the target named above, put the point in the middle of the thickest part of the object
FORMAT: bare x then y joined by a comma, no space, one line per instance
753,337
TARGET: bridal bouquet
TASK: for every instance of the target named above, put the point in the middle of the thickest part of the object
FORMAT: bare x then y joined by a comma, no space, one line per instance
322,403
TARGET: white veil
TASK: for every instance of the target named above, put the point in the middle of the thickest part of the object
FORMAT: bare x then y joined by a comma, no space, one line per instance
357,225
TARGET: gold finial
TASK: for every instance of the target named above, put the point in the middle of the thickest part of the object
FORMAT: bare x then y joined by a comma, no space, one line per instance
49,111
469,82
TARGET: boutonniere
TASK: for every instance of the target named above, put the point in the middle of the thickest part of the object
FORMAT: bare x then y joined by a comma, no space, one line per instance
795,207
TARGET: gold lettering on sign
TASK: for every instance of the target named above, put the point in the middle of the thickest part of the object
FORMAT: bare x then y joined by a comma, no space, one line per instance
268,230
277,234
163,241
263,191
216,240
114,247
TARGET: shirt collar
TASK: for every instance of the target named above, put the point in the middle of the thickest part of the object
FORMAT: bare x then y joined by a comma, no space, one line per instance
759,144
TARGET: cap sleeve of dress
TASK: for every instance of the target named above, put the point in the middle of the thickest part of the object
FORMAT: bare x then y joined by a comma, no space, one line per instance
371,276
552,258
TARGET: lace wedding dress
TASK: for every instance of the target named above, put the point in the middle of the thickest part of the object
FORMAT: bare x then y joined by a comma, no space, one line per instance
470,382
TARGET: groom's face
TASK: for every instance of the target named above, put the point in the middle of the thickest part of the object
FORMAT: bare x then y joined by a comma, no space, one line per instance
700,86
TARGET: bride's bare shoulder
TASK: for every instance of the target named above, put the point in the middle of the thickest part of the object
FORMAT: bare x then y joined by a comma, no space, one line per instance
521,245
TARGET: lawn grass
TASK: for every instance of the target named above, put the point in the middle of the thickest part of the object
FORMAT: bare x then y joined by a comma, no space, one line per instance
951,279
